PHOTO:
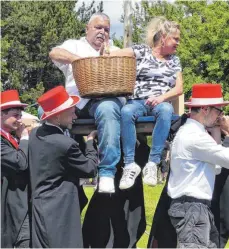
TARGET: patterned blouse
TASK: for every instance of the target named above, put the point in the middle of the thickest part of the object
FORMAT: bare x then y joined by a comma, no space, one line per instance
154,77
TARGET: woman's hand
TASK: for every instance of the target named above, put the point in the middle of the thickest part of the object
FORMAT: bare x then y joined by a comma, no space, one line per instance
153,101
224,125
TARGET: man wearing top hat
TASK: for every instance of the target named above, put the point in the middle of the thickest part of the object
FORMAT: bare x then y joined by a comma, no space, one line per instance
196,155
56,164
15,231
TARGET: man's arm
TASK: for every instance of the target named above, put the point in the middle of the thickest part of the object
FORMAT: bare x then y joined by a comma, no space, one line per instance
84,166
206,149
13,159
122,52
62,56
226,141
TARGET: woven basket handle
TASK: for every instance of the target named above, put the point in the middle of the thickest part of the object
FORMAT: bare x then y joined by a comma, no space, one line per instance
105,49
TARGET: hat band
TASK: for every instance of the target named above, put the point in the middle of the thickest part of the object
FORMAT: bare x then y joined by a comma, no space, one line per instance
61,107
16,102
206,101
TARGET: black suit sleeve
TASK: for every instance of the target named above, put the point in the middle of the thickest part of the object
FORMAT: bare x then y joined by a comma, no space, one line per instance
226,141
13,159
85,166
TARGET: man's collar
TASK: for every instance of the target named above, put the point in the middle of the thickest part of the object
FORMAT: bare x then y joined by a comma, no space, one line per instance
83,39
5,132
195,122
86,41
47,123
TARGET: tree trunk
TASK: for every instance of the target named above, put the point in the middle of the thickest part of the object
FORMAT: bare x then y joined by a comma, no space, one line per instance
127,23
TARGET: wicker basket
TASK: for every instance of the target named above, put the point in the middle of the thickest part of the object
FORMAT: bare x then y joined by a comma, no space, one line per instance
105,76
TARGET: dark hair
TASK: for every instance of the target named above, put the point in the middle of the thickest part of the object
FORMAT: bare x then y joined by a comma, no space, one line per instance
12,108
195,109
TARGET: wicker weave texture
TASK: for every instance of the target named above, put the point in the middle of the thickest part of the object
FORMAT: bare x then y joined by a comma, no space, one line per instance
105,76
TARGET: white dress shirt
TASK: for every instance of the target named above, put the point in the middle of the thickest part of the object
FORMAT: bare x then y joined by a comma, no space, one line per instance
83,49
194,156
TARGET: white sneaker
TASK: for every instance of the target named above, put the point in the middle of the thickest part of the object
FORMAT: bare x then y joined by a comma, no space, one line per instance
130,172
106,184
150,174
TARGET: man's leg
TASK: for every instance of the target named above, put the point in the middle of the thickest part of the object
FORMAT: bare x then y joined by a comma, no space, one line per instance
220,203
224,213
193,223
106,113
23,239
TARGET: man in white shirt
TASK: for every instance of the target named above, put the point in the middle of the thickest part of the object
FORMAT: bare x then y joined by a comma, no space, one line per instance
195,157
105,111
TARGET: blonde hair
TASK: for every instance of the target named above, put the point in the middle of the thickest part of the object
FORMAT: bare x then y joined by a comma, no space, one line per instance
158,27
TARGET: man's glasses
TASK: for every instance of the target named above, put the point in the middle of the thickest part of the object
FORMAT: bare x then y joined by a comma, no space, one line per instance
218,109
220,113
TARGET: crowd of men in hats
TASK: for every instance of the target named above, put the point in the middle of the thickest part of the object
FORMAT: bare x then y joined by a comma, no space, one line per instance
41,171
42,198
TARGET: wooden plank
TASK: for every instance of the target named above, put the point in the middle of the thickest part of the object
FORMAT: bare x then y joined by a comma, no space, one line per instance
145,128
82,129
178,105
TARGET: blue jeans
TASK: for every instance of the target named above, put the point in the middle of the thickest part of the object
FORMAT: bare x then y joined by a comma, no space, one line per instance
107,115
136,108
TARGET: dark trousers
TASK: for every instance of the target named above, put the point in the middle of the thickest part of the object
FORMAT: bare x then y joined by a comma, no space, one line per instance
194,223
220,206
23,239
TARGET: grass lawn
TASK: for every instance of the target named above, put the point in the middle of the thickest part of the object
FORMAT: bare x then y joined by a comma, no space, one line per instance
151,196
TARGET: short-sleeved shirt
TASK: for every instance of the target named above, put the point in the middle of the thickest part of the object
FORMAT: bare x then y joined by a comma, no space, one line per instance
83,49
154,77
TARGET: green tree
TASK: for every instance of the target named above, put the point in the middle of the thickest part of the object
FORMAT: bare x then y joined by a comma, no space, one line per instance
29,31
204,44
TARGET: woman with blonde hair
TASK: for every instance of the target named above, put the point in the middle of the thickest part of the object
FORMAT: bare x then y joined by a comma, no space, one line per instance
158,80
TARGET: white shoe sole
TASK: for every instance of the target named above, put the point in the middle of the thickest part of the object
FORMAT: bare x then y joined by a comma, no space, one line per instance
149,183
106,191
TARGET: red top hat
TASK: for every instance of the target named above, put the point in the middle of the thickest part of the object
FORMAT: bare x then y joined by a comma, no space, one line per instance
206,95
10,99
55,101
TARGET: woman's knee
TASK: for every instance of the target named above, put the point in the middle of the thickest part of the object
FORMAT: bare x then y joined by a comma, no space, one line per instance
165,109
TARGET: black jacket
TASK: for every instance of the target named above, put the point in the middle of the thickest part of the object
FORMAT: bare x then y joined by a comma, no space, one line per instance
14,192
56,164
220,203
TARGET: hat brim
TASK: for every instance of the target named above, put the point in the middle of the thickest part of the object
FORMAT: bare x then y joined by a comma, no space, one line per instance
12,106
76,99
190,104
